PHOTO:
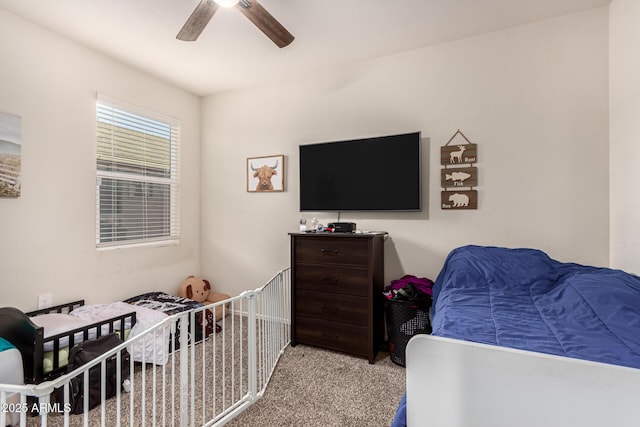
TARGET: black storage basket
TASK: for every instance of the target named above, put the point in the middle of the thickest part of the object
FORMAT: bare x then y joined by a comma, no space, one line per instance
404,320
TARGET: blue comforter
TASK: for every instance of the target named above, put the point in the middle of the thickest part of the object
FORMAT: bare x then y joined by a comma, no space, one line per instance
523,299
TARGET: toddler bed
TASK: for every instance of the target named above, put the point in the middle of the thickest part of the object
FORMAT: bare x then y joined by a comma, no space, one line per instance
152,308
203,326
44,337
518,324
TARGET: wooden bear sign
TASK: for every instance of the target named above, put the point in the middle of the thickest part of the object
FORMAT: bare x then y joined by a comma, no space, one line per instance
463,199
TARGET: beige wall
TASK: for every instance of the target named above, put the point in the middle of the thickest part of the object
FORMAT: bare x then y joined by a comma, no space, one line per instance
47,236
534,98
625,134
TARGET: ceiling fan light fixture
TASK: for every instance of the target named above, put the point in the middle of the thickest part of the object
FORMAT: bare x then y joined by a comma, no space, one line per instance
257,14
227,3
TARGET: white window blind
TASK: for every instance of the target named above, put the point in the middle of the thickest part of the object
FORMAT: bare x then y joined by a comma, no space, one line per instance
137,188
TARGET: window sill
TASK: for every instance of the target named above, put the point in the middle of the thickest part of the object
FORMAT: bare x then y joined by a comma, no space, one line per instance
124,245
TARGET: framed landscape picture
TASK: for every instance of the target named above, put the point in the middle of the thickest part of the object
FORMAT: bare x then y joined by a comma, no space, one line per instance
10,149
265,174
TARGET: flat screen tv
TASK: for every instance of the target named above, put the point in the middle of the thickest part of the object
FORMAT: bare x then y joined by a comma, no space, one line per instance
370,174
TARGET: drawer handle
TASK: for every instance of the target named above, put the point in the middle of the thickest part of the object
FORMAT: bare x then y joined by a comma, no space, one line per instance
330,279
333,337
334,252
331,308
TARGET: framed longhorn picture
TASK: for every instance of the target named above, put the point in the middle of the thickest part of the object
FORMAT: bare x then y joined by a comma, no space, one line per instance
265,174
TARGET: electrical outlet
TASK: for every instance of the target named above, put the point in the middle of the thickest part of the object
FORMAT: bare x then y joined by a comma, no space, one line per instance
45,301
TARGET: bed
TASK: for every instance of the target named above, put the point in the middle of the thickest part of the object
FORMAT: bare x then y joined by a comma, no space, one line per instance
522,339
44,337
152,308
203,326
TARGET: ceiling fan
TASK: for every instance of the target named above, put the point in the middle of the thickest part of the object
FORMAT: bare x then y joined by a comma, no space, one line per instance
250,8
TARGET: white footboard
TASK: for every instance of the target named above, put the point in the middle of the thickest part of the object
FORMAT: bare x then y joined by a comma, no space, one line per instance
455,383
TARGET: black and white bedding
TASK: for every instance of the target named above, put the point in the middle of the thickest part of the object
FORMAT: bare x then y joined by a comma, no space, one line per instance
171,304
163,302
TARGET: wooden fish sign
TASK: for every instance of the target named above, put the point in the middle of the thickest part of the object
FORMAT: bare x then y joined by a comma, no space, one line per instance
467,199
459,177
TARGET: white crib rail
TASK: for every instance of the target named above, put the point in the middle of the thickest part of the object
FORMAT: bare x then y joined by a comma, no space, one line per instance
204,383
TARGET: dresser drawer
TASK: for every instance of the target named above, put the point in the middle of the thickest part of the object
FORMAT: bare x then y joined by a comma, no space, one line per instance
337,308
332,335
337,279
332,250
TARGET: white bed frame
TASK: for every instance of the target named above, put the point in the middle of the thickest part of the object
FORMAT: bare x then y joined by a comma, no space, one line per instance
208,383
453,383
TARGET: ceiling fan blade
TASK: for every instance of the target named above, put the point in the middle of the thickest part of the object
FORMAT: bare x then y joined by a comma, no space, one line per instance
265,22
197,21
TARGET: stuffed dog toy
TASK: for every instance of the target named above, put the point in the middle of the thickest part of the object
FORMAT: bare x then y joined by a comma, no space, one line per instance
199,289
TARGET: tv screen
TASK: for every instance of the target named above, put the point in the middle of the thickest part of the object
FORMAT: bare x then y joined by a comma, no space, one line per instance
371,174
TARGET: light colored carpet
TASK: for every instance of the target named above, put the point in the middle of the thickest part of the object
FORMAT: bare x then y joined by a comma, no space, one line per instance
309,387
316,387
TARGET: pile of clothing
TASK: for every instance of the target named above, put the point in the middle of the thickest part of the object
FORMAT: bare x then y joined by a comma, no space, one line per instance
410,288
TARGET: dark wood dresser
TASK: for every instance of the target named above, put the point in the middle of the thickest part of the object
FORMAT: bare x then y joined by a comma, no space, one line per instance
337,291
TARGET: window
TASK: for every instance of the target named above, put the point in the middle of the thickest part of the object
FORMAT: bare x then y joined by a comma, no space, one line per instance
137,187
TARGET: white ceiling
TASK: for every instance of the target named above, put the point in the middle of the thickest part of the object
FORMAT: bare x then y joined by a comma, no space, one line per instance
232,53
